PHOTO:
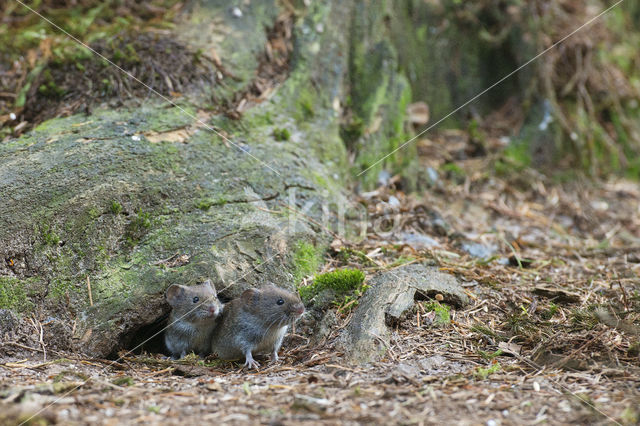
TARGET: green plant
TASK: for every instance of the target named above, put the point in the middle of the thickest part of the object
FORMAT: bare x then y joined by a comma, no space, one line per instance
478,328
206,203
483,373
342,282
115,207
123,381
549,313
490,355
142,220
281,134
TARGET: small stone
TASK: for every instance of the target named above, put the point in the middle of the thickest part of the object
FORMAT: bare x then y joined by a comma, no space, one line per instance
12,116
416,241
432,174
315,405
383,178
236,12
136,137
432,364
479,250
393,201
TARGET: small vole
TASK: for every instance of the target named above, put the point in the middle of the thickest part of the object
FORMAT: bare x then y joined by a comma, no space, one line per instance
256,322
192,318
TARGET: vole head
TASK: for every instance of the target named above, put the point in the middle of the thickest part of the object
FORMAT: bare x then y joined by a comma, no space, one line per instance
195,303
274,305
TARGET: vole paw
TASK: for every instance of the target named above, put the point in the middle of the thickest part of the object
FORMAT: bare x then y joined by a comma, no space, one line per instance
250,362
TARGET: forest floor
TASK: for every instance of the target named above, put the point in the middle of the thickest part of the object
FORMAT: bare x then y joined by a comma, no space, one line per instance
551,335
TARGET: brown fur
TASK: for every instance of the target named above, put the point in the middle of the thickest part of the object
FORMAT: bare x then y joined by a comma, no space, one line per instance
191,323
255,323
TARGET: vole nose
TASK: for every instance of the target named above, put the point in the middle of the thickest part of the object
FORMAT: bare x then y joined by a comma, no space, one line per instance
299,309
212,310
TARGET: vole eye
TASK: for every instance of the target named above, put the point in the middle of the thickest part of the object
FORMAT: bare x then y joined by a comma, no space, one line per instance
195,299
280,301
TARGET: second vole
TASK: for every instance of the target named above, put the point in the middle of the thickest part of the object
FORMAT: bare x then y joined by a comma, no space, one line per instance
256,322
193,317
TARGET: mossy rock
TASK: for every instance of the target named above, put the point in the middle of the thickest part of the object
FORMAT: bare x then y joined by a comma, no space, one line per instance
92,203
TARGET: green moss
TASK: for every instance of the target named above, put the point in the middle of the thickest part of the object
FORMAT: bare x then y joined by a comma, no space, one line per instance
320,180
483,373
352,130
51,90
138,227
115,207
49,236
514,158
206,203
454,172
442,312
341,282
123,381
306,260
93,213
13,295
281,134
256,120
475,132
58,288
305,105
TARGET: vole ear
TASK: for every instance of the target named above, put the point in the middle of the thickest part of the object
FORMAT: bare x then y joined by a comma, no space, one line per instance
250,296
207,283
174,293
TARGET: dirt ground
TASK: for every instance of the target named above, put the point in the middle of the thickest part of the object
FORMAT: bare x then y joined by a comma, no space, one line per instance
551,336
